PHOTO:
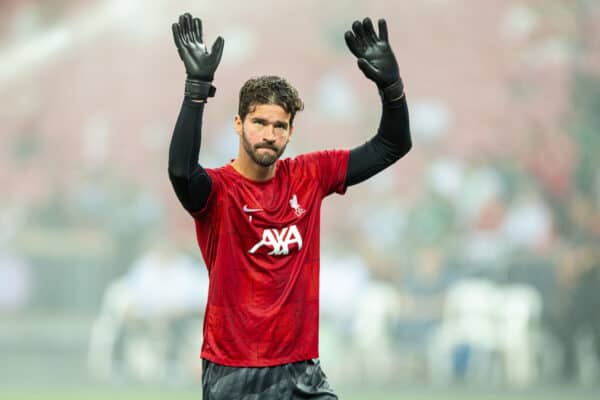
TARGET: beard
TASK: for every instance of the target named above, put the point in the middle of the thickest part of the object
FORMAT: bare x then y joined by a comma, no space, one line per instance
265,158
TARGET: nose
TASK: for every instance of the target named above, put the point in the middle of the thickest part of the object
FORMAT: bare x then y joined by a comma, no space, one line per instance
269,134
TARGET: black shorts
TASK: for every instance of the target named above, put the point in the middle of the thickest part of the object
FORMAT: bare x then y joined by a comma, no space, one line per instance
299,380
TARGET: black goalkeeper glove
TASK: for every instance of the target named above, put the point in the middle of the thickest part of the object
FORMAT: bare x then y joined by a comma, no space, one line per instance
200,65
376,58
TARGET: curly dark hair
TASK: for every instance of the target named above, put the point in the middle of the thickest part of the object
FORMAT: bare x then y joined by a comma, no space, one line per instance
269,90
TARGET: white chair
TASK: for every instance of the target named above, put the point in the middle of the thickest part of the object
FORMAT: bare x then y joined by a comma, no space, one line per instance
468,323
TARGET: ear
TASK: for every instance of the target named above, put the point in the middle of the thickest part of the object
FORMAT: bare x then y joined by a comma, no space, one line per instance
238,124
291,133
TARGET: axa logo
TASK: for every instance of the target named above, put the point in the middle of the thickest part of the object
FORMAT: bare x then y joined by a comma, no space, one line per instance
279,241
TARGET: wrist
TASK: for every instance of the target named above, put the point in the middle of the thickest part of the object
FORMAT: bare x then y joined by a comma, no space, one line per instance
392,92
198,90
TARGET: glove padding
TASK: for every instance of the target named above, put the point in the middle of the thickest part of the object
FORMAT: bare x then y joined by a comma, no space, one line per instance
200,65
375,56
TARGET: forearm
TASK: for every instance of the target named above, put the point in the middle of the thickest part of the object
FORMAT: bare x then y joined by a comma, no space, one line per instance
391,143
190,181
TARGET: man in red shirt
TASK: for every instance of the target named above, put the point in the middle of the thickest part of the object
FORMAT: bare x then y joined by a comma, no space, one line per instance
258,218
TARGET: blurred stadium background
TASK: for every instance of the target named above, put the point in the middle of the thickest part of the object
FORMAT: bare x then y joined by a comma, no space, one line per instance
471,269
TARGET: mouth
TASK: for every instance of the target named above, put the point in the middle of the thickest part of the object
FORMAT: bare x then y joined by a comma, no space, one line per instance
267,148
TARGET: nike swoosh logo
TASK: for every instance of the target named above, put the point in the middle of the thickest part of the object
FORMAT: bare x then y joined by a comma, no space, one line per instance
250,210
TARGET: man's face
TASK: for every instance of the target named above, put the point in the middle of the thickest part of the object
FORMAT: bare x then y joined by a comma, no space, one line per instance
265,132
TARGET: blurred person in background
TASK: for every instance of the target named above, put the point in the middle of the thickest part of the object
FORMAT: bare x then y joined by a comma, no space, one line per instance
15,282
143,325
377,310
257,218
422,291
573,315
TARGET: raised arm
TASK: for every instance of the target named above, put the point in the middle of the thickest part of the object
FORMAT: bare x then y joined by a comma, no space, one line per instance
376,60
190,181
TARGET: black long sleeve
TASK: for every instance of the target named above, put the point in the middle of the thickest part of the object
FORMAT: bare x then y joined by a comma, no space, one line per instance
191,182
391,142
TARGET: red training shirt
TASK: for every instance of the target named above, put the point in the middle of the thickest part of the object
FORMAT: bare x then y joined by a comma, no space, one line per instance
260,243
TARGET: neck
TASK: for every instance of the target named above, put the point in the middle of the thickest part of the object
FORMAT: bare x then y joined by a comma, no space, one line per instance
251,170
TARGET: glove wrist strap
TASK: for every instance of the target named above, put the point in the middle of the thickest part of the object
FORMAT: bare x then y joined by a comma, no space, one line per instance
199,90
393,92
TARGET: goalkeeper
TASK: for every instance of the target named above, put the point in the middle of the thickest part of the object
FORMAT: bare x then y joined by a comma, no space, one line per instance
257,218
